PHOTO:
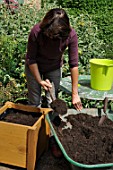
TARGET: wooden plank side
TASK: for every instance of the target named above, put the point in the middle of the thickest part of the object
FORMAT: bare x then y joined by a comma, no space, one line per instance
22,107
3,108
43,140
27,108
13,144
32,146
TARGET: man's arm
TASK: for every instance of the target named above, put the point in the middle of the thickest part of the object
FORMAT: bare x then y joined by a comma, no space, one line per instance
34,70
75,97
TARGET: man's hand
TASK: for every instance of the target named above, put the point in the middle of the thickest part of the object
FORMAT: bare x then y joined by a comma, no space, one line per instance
46,84
76,102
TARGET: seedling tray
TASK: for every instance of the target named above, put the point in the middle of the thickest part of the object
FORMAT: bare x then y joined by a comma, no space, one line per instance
76,165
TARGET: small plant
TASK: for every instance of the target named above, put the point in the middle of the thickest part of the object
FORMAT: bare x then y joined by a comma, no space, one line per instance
11,91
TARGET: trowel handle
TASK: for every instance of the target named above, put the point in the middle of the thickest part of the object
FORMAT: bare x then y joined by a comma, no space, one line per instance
105,104
51,95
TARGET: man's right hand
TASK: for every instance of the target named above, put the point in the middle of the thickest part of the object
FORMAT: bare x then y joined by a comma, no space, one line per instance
46,84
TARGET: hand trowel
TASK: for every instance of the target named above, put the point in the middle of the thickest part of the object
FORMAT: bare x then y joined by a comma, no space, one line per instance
58,105
103,117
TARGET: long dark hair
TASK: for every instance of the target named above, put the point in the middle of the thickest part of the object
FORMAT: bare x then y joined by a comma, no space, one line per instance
55,24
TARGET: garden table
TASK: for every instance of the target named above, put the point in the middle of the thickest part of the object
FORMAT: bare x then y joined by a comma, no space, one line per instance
84,88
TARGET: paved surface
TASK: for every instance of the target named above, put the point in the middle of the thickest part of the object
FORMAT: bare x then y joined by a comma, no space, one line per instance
8,167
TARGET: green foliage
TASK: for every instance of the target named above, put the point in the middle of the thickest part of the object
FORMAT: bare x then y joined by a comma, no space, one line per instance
14,30
105,25
89,43
101,12
91,25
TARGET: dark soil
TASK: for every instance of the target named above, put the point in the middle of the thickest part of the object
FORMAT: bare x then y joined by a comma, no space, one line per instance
87,142
59,106
49,162
20,117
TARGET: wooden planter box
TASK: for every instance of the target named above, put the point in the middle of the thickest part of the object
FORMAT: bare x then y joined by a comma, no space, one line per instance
20,145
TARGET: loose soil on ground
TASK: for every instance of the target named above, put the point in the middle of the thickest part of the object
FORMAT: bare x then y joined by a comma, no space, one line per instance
86,142
49,162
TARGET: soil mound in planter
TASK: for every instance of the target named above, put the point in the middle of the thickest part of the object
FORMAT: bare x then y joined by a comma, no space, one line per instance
20,117
86,142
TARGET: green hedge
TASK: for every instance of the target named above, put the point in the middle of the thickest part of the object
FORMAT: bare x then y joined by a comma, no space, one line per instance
102,13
